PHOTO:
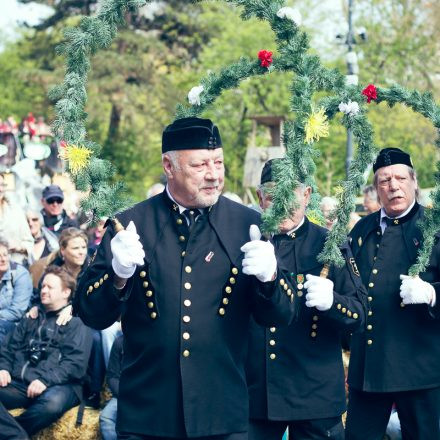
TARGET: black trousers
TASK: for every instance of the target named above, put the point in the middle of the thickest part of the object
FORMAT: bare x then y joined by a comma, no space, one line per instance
369,413
234,436
329,428
40,412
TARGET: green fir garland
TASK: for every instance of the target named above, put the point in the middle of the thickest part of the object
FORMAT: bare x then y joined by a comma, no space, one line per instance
94,33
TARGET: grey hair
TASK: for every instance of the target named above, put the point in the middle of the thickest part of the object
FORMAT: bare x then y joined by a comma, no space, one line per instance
173,157
412,173
36,213
4,243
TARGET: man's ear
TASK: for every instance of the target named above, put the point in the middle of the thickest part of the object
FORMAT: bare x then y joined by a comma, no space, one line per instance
260,198
167,167
67,292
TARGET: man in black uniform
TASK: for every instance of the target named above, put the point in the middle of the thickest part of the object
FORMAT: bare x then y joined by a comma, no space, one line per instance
184,287
295,374
397,360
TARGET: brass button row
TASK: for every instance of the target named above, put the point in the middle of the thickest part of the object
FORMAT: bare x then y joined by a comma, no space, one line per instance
349,313
228,291
97,284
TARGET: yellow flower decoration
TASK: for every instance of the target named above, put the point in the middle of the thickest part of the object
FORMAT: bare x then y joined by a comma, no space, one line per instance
317,126
77,156
312,215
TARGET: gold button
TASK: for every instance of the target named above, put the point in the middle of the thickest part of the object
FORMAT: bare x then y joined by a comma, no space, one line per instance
378,232
149,293
370,284
106,276
375,271
179,221
153,315
225,301
374,258
349,313
96,285
272,342
355,316
187,286
150,305
282,282
369,327
234,270
370,313
339,307
181,238
289,292
143,274
402,305
221,311
343,310
273,356
232,280
188,269
191,212
313,334
315,317
228,289
273,329
185,353
187,303
101,281
314,326
370,341
286,287
145,283
186,318
300,293
377,245
186,336
370,298
90,289
183,253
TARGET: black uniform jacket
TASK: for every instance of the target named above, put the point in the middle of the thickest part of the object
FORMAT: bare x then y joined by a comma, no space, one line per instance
66,351
296,372
185,318
400,350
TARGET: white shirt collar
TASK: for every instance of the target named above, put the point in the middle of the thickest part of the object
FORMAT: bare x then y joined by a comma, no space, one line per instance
296,227
181,208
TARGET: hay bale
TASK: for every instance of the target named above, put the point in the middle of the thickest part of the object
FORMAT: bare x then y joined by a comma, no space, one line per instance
65,429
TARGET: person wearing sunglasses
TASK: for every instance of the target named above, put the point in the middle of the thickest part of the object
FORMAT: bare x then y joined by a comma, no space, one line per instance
54,214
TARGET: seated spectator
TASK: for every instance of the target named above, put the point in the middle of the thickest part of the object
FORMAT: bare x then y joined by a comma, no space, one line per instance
14,227
72,255
45,241
54,214
107,419
371,202
42,365
15,291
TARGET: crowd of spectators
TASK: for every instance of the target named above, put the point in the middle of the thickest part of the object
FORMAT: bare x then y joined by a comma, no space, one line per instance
49,360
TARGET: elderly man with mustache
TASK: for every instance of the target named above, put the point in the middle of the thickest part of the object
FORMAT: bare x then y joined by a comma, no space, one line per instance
186,279
397,359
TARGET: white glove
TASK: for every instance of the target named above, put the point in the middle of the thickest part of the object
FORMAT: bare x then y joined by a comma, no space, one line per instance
259,257
127,252
319,292
415,291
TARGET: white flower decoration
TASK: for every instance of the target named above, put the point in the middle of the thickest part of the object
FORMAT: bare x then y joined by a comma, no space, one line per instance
290,14
350,108
194,95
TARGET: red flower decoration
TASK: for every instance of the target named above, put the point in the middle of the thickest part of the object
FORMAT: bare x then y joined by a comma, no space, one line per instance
265,57
370,92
